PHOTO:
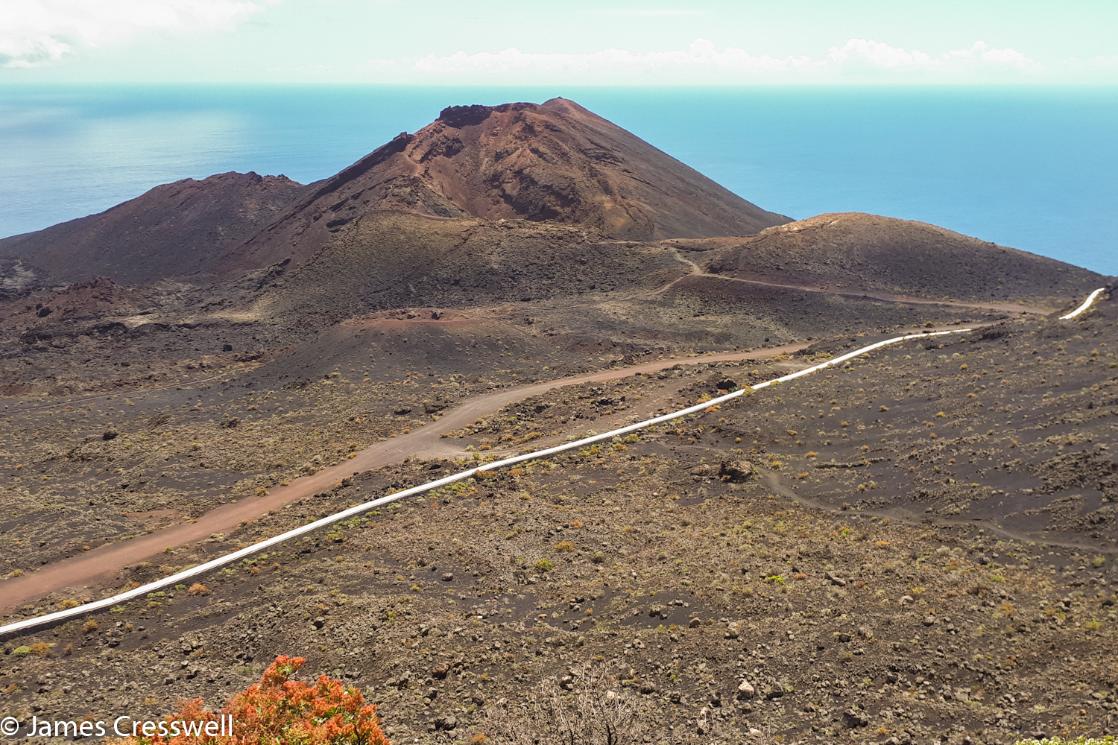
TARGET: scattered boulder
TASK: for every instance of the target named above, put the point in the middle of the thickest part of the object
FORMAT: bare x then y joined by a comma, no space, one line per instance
702,471
853,718
746,691
735,471
775,691
446,723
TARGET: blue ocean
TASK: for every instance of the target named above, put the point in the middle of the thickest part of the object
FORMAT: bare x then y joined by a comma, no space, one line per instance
1033,168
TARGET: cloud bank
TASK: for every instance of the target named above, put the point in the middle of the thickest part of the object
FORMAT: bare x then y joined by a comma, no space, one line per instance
38,32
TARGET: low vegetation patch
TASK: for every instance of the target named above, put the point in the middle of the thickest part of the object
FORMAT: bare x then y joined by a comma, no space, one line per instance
278,709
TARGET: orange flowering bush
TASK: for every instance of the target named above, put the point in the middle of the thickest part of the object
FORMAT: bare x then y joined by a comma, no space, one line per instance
276,710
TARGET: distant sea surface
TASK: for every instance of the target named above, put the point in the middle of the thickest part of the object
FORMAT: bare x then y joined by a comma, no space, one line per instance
1032,168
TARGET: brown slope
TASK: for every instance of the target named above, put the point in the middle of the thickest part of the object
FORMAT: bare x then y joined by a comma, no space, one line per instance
398,259
172,230
425,442
554,161
860,252
81,301
1023,448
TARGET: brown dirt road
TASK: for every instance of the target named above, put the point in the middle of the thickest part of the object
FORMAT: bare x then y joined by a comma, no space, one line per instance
426,442
697,271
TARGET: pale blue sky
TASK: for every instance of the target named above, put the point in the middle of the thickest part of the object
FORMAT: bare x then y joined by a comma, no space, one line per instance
575,42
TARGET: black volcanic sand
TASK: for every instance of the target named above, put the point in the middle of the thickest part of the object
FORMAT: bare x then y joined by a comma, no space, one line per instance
1011,426
820,561
133,410
917,547
865,252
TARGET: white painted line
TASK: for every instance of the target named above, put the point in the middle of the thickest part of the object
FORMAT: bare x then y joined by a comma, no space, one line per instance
221,561
1084,306
159,584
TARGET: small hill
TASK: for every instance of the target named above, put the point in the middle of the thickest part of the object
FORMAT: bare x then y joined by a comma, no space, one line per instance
172,230
402,259
490,202
857,251
554,162
81,301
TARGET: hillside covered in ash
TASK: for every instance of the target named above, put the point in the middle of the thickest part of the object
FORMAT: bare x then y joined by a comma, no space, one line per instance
916,546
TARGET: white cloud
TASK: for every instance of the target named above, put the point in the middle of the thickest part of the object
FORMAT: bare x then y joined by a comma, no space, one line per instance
877,54
20,52
884,56
705,62
36,32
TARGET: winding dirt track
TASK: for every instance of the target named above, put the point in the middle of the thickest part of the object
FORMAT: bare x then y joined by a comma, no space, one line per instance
696,271
425,442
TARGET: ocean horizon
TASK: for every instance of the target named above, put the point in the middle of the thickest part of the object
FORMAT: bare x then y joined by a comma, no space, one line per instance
1031,168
